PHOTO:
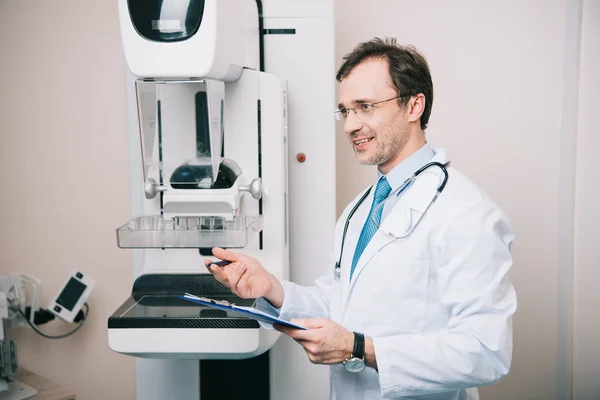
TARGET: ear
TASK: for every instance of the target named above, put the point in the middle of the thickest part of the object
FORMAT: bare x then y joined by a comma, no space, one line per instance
415,107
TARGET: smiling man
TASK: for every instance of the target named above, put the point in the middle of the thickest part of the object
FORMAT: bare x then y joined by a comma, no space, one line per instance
388,138
417,303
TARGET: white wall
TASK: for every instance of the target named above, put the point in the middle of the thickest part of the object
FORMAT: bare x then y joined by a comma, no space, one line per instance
501,73
586,347
64,171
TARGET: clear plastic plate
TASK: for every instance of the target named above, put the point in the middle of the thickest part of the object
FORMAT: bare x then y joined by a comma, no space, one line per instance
188,232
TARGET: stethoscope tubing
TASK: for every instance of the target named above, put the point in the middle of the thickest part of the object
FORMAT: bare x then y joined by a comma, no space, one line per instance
402,187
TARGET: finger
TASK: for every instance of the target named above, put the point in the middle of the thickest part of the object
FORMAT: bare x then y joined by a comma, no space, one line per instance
283,328
310,323
222,274
221,263
309,348
304,343
226,254
295,333
229,275
235,274
207,264
288,330
242,285
218,273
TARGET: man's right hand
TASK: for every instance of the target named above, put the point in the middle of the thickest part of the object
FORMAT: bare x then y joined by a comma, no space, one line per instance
245,277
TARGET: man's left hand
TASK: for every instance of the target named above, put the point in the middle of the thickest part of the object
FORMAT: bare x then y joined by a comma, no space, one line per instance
325,342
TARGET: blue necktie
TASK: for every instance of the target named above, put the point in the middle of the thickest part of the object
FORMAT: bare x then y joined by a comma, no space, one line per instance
382,191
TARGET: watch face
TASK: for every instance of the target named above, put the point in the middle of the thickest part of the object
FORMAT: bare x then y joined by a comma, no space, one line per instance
354,365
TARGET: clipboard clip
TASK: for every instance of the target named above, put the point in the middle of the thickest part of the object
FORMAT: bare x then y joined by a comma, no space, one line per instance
212,301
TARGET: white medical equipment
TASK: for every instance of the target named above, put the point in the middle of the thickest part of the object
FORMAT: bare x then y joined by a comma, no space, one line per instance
212,128
13,306
15,289
73,295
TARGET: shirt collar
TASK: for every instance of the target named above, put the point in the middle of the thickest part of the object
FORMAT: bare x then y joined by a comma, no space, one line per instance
406,168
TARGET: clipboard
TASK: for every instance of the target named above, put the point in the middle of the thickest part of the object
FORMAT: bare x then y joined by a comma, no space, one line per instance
248,312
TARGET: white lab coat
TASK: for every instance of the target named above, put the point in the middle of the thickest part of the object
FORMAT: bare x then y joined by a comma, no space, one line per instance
438,305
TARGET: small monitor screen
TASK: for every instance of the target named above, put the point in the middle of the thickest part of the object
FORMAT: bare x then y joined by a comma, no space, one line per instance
71,293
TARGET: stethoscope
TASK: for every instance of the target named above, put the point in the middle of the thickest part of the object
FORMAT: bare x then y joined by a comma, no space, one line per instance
405,185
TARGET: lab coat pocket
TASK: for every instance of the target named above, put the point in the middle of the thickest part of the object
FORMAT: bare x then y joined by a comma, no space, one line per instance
406,293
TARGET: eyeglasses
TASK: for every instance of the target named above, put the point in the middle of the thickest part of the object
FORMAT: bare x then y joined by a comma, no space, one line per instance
363,110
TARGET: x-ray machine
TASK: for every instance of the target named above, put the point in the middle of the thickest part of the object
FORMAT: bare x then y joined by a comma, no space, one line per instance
232,145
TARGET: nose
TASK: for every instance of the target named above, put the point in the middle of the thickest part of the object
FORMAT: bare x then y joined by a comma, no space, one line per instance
352,123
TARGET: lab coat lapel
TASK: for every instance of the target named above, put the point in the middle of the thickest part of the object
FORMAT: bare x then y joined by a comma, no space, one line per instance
407,211
412,204
354,230
401,216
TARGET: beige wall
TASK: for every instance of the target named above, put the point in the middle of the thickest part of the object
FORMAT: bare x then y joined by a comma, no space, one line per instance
64,169
586,343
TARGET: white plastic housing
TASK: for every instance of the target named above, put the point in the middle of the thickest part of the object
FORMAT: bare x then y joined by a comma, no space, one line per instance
192,344
224,43
242,99
253,94
180,123
72,296
310,85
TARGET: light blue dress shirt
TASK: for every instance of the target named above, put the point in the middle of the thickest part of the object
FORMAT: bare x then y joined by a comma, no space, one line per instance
401,172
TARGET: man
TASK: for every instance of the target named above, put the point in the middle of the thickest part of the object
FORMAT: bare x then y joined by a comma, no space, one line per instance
422,295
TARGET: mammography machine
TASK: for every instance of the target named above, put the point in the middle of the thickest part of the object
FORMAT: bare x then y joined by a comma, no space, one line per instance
231,112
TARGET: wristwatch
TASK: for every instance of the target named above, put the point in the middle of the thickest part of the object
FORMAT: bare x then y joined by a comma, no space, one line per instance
356,361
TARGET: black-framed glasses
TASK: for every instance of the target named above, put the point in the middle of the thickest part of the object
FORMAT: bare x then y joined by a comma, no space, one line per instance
363,110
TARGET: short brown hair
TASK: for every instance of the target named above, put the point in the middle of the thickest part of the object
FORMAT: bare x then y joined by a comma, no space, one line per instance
408,70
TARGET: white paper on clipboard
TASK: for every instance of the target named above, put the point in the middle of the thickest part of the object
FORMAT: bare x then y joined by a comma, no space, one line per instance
248,312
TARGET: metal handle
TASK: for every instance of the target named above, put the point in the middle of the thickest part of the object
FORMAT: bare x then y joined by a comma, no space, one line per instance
151,188
254,188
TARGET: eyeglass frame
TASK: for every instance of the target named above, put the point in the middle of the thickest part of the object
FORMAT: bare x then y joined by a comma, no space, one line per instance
338,113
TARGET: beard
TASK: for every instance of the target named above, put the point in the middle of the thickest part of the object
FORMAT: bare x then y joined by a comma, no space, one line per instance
384,147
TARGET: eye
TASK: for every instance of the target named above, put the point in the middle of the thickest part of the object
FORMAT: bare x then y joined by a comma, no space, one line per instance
366,108
344,112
